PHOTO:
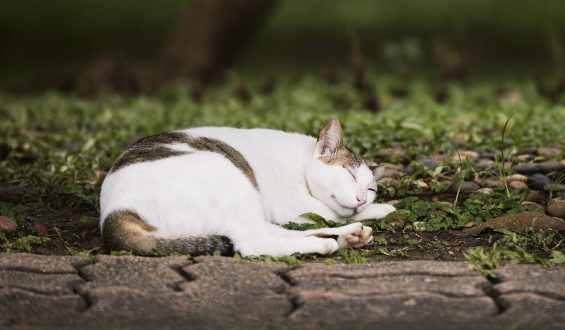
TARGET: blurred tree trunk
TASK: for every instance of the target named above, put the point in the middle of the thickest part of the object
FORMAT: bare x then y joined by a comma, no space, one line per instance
211,33
206,41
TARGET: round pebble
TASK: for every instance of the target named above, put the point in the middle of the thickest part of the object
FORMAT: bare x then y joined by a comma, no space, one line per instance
518,185
466,154
485,191
539,197
517,177
491,183
7,225
551,166
549,152
422,185
399,154
409,170
538,181
484,163
390,173
527,168
446,203
390,181
527,151
429,163
397,223
556,207
533,206
460,140
470,224
466,187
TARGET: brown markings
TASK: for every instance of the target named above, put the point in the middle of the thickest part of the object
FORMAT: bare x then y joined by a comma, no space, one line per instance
344,157
332,149
155,147
234,156
151,148
126,230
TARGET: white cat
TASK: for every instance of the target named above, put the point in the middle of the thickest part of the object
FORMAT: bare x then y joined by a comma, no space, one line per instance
217,188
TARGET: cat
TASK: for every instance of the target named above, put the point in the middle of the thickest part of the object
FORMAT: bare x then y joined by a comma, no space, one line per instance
208,189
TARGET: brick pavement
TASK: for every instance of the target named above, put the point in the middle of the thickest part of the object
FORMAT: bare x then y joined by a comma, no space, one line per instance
122,292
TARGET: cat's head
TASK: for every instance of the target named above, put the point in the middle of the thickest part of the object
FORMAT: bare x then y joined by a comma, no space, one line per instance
338,177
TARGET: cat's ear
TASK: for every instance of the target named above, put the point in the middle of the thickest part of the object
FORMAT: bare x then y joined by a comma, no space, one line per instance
330,139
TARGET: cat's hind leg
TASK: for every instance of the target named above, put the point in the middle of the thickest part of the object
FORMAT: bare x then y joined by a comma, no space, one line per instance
278,246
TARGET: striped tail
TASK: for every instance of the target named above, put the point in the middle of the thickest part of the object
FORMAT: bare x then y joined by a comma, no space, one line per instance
125,230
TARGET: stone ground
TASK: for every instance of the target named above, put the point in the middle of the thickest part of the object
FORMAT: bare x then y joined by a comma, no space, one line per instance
212,292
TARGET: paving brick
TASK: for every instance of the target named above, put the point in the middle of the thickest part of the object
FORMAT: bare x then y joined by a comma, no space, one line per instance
389,291
216,292
41,263
388,268
46,283
530,308
223,293
385,285
335,307
536,273
536,279
24,307
232,289
142,273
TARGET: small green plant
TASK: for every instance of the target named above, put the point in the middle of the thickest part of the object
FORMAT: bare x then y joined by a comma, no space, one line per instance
25,244
121,253
89,254
317,222
292,260
459,177
557,180
500,161
391,252
532,246
350,256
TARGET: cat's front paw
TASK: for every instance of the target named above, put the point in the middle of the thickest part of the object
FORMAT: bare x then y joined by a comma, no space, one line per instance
360,236
329,247
375,211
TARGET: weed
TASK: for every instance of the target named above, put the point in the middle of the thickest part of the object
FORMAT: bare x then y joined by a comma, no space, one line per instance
532,246
391,252
459,177
500,161
121,253
350,256
25,244
557,180
292,260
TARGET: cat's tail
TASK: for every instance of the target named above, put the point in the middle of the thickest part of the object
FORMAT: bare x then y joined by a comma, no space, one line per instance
125,230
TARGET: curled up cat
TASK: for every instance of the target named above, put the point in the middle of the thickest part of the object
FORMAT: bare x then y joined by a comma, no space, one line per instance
208,189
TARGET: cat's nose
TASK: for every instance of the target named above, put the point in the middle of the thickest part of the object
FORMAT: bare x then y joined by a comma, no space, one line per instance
361,200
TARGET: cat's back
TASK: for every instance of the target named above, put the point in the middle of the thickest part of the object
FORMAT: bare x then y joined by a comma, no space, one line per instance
258,136
186,157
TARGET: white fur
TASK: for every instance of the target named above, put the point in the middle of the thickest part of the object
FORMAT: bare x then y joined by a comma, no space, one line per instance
203,193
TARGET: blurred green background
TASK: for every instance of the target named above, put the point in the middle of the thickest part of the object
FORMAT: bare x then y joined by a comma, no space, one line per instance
497,37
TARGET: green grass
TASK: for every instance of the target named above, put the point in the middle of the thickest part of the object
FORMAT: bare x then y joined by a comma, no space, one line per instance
529,247
59,147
